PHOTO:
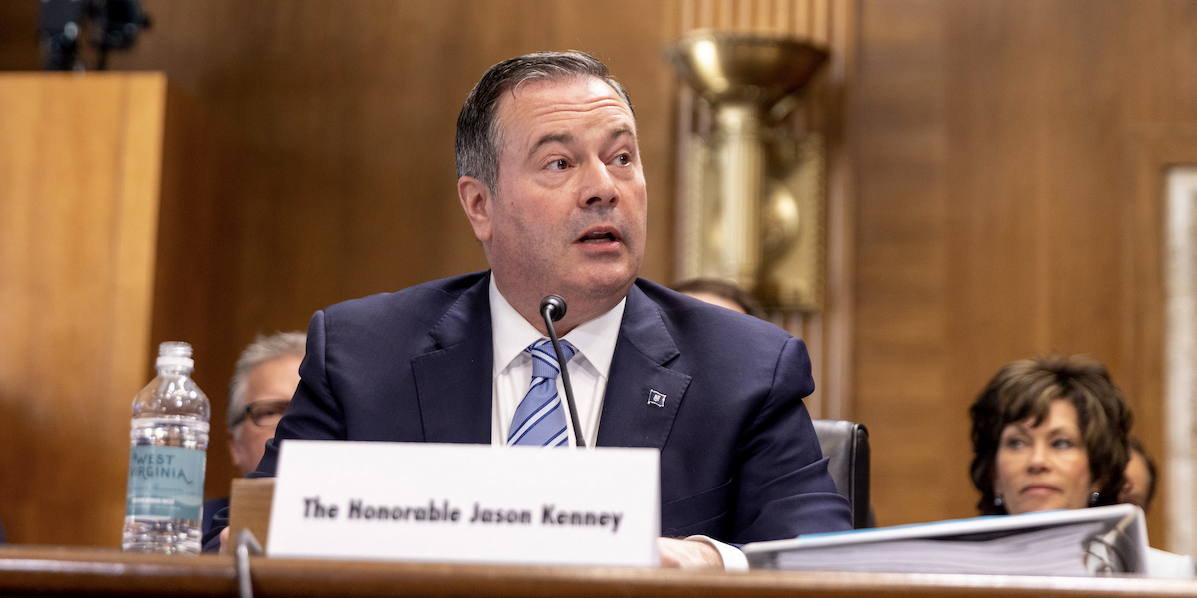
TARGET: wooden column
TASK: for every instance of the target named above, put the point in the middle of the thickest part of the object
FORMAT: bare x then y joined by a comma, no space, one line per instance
111,190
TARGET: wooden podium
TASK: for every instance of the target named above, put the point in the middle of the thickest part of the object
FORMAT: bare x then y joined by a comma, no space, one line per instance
116,233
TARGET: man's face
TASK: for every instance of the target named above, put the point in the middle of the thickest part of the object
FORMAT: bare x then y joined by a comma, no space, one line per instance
271,384
570,208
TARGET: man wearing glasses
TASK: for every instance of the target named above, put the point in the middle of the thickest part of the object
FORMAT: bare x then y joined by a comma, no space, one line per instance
264,380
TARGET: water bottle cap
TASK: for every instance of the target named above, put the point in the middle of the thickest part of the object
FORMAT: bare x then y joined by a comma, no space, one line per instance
176,354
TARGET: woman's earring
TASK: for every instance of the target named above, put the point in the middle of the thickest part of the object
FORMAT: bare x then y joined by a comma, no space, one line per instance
997,500
1093,499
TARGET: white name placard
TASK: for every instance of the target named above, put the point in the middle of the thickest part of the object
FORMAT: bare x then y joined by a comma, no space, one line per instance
466,503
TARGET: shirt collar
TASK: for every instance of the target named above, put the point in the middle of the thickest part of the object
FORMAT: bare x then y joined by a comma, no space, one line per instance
511,333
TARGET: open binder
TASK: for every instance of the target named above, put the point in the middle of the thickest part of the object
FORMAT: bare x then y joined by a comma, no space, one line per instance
1080,542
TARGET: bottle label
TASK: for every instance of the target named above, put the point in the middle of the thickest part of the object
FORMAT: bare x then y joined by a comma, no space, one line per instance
165,481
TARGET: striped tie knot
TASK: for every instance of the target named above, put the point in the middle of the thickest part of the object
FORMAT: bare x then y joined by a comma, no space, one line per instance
540,419
544,358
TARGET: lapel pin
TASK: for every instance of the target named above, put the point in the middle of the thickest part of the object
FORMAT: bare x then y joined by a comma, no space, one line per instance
657,399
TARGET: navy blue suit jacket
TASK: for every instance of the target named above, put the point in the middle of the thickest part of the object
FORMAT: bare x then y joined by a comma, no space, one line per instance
211,508
739,458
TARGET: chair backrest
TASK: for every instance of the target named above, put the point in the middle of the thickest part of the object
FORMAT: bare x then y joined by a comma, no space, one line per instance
846,445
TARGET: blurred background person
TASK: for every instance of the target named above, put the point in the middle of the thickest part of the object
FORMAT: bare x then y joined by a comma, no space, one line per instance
264,380
1138,487
1053,433
723,294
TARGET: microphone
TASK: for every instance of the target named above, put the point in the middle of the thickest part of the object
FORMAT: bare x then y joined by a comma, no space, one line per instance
552,308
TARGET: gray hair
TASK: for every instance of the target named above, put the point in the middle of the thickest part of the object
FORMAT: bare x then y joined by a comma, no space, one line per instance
478,133
262,350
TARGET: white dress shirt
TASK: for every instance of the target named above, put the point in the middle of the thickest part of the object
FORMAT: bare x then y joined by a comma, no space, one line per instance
595,342
511,334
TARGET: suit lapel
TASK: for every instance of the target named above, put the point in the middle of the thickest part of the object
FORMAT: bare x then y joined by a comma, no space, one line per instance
453,381
638,369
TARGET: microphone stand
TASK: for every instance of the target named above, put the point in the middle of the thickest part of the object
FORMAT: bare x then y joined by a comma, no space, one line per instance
552,308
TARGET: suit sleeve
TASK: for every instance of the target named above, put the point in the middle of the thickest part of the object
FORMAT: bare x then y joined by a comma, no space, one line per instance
313,414
785,489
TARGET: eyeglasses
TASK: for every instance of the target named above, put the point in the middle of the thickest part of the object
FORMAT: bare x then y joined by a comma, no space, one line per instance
264,413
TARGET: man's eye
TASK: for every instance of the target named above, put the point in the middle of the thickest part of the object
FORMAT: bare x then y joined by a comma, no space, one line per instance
559,164
623,159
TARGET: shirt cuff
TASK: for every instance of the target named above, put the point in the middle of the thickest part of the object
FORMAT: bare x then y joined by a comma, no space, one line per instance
733,559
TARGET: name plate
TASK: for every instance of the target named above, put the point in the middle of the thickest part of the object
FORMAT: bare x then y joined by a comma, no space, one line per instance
466,503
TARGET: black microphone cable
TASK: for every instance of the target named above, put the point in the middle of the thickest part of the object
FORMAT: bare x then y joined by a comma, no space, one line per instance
552,308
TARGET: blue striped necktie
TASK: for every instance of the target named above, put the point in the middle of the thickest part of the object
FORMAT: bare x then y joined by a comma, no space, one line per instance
540,418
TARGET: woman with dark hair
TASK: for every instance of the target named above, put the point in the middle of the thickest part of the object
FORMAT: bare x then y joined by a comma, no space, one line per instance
1052,433
1049,433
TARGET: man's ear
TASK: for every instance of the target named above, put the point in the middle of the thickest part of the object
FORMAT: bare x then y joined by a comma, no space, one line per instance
475,200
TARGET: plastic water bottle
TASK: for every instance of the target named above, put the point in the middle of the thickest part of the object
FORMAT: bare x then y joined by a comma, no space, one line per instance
169,440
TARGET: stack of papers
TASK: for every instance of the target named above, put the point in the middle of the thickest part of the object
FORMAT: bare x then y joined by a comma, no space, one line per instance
1079,542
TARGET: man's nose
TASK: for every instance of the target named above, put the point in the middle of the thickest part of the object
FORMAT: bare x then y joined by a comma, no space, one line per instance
598,188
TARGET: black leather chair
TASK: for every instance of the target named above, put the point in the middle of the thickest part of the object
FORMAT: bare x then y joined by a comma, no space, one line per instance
846,445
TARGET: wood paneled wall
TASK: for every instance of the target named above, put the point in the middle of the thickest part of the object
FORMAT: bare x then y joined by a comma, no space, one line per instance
196,283
994,220
350,110
809,19
18,36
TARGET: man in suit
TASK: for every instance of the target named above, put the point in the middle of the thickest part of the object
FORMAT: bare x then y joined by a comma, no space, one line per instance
263,383
551,181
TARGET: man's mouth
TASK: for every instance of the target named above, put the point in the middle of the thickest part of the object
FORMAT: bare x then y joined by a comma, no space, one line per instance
599,236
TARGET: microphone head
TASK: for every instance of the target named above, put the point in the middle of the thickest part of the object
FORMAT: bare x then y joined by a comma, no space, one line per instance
556,306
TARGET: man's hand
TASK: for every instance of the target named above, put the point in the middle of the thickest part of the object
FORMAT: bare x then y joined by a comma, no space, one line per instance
688,554
224,541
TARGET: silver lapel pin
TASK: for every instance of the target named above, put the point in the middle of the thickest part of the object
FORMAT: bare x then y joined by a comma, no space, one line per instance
655,398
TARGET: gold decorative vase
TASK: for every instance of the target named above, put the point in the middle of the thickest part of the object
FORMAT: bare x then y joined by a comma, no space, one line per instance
744,223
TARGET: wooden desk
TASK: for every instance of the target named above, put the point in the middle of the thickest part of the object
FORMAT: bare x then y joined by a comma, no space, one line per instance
50,571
